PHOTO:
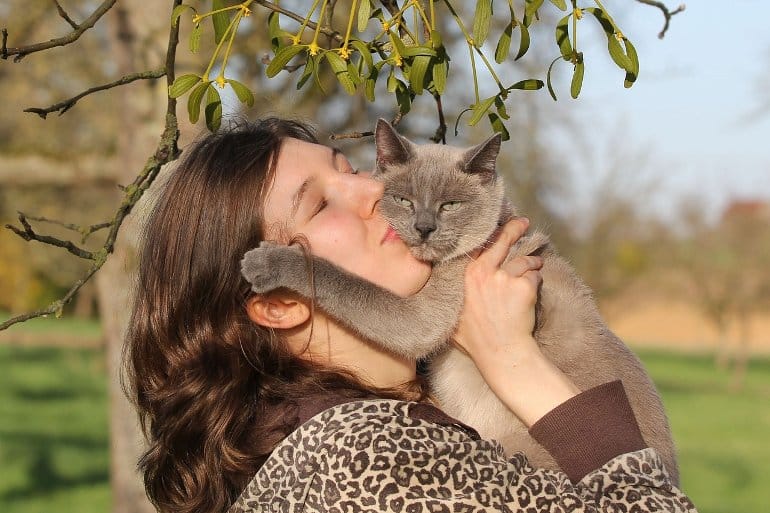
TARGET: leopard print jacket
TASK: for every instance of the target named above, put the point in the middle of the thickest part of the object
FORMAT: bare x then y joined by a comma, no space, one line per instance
372,455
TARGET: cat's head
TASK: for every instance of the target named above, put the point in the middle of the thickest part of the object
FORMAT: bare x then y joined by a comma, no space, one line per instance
442,201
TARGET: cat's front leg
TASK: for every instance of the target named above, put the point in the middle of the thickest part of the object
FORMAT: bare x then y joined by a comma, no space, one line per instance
272,266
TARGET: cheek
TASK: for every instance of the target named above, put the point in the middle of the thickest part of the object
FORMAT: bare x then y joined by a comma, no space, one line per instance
336,238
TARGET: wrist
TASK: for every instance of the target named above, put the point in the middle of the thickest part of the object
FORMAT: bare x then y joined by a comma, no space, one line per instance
527,382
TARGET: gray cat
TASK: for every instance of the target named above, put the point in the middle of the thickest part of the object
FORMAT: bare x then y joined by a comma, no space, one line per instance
444,202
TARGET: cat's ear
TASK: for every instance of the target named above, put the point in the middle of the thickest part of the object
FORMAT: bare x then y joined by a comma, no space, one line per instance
481,159
391,147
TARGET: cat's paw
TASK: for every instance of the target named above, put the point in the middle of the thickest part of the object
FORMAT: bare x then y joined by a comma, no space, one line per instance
271,266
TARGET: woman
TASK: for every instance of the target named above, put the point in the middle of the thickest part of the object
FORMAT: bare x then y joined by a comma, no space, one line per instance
265,398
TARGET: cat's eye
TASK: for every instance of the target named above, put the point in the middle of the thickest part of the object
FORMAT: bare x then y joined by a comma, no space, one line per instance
449,206
400,200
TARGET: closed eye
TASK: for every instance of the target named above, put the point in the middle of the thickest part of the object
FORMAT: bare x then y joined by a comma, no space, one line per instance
321,205
450,206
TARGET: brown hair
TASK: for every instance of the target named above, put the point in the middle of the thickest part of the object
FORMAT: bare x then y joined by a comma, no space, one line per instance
208,383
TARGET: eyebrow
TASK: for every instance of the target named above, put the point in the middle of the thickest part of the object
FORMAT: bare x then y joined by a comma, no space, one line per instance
296,199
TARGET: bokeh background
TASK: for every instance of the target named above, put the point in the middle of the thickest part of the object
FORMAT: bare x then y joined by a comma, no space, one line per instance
659,194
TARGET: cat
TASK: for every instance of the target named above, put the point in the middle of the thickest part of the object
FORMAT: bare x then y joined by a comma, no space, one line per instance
445,202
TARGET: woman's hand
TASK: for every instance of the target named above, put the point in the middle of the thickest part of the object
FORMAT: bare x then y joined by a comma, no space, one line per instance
496,324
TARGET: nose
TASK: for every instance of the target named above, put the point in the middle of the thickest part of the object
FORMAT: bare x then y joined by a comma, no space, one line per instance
425,228
368,195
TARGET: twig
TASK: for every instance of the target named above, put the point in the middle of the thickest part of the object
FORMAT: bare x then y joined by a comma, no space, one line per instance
166,152
28,234
359,135
440,135
64,15
85,231
22,51
66,105
666,13
296,17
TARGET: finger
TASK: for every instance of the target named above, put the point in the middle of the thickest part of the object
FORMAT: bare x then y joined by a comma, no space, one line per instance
510,233
520,265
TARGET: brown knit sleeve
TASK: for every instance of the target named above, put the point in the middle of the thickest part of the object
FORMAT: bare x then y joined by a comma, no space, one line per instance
587,431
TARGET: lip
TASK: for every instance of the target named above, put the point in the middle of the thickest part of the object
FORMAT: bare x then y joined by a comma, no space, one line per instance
390,235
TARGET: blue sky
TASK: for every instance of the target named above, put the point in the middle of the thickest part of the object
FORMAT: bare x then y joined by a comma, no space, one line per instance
695,113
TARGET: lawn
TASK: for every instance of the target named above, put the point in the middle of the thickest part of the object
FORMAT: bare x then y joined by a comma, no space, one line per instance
54,442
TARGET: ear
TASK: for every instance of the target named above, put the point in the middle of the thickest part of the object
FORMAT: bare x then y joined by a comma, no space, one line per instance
277,311
481,159
391,147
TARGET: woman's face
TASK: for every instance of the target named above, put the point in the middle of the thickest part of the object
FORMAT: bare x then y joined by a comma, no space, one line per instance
315,193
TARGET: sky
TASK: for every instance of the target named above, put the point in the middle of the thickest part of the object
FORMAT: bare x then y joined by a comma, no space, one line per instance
695,114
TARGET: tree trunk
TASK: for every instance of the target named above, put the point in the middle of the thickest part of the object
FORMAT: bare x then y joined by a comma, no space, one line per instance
135,25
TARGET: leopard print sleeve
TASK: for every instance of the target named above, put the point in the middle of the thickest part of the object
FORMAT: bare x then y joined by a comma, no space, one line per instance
372,456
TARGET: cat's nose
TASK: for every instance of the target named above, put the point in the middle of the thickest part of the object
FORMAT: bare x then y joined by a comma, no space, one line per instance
425,229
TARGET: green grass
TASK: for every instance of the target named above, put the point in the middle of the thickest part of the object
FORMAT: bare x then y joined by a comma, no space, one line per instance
723,436
54,441
53,430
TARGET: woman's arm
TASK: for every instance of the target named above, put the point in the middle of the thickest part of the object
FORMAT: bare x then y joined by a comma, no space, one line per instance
496,325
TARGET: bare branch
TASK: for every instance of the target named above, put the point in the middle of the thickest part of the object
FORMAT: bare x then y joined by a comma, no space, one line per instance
22,51
66,105
296,17
666,13
359,135
85,231
64,15
166,152
440,135
28,234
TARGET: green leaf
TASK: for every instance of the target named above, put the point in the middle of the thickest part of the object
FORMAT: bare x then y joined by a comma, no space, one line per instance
413,51
353,72
274,30
480,109
548,78
392,82
530,84
282,57
220,20
194,101
178,11
481,20
364,11
243,93
363,49
369,89
504,44
530,11
562,38
340,69
500,106
577,78
213,109
182,84
307,72
523,43
603,20
440,70
195,38
561,4
617,53
403,98
417,73
498,126
632,75
398,45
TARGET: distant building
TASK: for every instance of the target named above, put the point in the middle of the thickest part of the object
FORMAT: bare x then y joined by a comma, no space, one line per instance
755,210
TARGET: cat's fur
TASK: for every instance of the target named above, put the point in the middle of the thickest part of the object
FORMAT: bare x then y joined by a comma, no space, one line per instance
418,180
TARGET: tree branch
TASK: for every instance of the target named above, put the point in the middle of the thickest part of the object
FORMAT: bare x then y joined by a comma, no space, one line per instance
296,17
85,231
440,135
166,152
22,51
28,234
66,105
666,13
64,15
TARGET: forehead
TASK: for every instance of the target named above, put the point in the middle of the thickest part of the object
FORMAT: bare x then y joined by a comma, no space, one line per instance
297,162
